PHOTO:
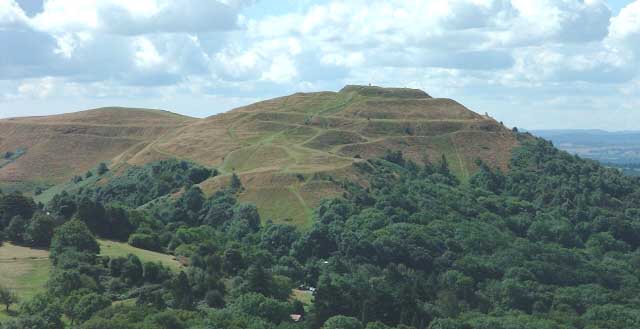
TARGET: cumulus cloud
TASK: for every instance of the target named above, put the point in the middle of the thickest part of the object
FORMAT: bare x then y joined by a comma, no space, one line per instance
624,31
205,47
138,17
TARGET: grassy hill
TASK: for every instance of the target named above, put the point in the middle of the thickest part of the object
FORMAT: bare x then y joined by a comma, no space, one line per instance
51,149
289,152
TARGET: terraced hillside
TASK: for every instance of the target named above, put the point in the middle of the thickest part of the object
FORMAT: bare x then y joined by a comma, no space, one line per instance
289,151
285,148
51,149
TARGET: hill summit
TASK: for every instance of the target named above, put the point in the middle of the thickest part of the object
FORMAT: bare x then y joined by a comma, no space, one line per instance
289,151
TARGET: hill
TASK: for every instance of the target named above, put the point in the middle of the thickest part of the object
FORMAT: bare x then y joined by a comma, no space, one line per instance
289,152
47,150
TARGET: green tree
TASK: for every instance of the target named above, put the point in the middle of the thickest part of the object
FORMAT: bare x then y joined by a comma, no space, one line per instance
236,183
15,231
163,320
258,305
41,311
40,230
181,291
102,168
7,297
342,322
15,204
132,269
81,305
73,235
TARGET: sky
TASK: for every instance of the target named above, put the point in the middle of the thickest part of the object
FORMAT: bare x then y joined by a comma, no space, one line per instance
535,64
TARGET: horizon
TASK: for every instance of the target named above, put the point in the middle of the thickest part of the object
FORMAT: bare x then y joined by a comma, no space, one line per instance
576,71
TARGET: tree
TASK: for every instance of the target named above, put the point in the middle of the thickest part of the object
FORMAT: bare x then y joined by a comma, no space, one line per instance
236,184
144,241
342,322
15,204
258,305
7,297
102,169
40,230
192,199
92,213
249,213
132,269
73,235
15,231
219,209
163,320
81,305
181,291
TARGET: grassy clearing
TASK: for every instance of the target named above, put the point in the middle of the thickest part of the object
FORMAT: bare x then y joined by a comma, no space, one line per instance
121,249
23,269
281,205
304,296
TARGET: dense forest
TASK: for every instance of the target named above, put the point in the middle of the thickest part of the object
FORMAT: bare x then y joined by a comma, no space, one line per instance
552,243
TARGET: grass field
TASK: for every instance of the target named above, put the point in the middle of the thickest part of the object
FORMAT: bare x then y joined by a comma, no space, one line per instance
121,249
23,269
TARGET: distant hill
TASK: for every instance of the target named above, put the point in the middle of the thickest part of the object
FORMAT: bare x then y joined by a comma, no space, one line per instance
621,148
50,149
289,152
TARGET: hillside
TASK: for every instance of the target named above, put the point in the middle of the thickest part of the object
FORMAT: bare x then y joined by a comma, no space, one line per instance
288,151
51,149
284,148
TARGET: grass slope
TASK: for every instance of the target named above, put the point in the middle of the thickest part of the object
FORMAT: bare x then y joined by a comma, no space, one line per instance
121,249
23,269
55,148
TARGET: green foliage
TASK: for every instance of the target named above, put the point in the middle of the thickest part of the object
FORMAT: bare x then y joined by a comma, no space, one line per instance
552,243
15,204
7,297
236,184
144,241
140,185
40,230
102,169
258,305
15,231
73,235
342,322
81,305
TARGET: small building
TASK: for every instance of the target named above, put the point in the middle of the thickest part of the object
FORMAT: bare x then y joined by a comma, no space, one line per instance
295,317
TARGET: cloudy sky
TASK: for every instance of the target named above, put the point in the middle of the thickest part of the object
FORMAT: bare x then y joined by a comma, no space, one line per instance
529,63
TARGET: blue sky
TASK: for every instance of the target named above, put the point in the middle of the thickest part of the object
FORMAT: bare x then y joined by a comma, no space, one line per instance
530,63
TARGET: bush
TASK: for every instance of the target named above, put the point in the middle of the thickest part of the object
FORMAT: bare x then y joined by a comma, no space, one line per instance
342,322
144,241
102,168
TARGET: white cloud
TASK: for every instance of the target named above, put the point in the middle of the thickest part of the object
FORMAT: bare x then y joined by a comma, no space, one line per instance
469,49
624,32
137,17
281,70
146,54
39,88
11,14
